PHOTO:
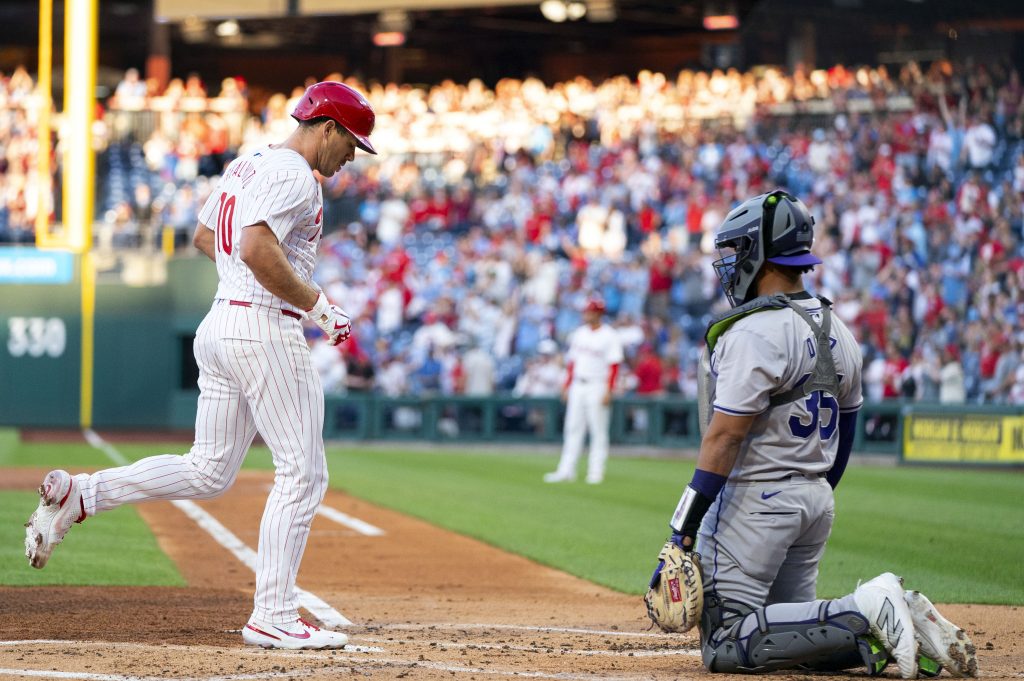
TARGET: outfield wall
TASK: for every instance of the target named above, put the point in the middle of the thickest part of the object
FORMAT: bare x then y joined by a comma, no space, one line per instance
145,377
142,366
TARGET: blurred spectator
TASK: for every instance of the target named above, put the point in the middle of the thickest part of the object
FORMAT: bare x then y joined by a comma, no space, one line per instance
478,372
951,388
130,94
649,372
544,375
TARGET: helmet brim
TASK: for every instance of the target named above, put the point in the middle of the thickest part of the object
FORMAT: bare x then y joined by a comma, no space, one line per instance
801,260
363,143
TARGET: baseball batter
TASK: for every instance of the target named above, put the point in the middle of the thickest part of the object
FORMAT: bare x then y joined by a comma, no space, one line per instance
262,226
595,353
785,388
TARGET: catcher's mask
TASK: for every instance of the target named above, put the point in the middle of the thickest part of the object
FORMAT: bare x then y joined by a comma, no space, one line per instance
774,227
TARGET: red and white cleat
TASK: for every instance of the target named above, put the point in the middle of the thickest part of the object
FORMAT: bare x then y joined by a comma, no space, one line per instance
298,635
60,506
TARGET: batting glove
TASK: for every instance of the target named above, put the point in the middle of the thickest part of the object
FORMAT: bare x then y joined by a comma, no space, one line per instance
331,319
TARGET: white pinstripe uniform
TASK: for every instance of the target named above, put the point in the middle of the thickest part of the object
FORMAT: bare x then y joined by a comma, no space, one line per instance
592,352
255,375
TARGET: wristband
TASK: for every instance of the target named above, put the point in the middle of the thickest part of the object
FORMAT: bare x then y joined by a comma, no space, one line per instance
319,308
707,483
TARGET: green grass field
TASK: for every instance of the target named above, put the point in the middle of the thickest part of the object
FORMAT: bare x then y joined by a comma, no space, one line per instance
957,535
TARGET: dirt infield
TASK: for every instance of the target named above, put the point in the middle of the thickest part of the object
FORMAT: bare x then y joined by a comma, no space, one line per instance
426,603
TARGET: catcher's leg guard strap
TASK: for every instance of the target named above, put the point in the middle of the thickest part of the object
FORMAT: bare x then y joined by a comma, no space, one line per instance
781,636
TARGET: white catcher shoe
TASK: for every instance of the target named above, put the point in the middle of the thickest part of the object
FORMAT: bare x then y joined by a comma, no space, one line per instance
939,638
881,602
60,506
298,635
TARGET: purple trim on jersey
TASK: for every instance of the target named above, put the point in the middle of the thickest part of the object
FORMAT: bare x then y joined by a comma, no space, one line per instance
714,562
847,410
735,412
801,260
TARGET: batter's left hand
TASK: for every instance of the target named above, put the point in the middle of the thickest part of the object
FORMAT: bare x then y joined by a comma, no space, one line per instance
331,319
336,324
607,398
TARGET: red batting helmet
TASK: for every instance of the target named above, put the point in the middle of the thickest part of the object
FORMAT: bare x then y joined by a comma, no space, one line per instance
341,104
595,305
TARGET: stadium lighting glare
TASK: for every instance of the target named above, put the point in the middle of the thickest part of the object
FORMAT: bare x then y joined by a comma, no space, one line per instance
392,25
721,22
228,29
576,10
554,10
388,38
561,10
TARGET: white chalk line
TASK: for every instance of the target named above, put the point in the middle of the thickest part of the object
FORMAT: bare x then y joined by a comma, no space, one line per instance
89,676
540,649
247,650
360,526
440,645
223,536
524,627
293,655
99,443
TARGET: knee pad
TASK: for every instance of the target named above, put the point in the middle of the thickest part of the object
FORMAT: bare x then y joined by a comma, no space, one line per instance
751,644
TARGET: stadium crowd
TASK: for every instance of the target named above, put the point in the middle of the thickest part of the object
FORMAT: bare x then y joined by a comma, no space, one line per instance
464,252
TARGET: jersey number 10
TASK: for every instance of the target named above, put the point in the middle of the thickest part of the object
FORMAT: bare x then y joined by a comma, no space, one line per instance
225,222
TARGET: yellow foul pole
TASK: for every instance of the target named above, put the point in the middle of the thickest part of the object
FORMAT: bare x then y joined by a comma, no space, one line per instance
45,85
80,37
80,29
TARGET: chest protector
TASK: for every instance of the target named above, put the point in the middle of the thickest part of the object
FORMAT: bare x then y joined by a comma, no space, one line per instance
823,377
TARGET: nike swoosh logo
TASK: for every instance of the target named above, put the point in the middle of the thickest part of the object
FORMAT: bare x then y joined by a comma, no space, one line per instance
765,495
304,634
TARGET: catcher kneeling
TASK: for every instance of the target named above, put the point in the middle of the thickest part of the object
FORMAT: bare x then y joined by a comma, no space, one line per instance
781,381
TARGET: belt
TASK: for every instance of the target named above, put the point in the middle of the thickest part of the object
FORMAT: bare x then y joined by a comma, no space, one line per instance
287,313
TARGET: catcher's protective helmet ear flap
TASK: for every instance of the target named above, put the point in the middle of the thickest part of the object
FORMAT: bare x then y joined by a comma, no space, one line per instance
343,105
774,227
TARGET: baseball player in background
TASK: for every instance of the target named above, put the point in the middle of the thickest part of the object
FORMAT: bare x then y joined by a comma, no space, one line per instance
595,353
784,386
262,227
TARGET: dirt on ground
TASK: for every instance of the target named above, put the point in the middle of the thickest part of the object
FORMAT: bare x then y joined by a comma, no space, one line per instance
425,603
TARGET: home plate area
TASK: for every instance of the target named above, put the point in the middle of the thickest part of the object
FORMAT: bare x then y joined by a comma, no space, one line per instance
417,602
421,652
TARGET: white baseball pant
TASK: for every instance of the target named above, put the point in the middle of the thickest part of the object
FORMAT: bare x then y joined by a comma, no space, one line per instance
255,375
585,412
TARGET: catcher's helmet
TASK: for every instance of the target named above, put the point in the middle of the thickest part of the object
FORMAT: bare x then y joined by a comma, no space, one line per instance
343,105
776,228
594,304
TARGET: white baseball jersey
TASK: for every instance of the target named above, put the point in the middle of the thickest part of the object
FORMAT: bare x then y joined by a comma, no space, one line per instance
593,351
770,352
275,186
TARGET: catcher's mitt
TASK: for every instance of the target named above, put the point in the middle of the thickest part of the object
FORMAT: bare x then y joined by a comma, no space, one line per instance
675,598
